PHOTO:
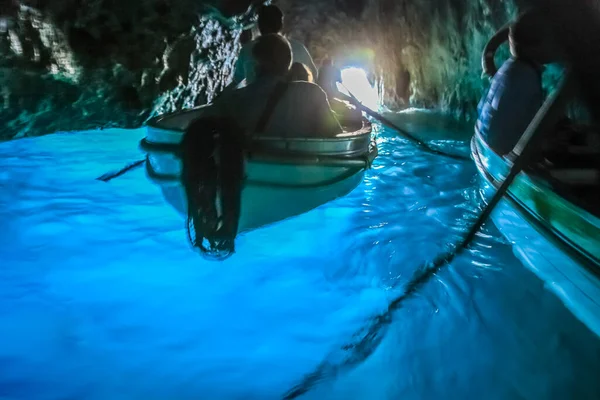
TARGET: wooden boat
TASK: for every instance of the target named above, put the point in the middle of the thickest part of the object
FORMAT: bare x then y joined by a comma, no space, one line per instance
555,233
284,177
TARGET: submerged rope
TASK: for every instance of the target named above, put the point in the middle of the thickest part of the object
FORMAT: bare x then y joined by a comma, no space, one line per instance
112,175
369,337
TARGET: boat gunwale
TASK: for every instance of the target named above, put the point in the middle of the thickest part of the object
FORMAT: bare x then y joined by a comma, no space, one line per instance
565,244
352,171
257,153
359,145
365,130
154,123
356,163
540,180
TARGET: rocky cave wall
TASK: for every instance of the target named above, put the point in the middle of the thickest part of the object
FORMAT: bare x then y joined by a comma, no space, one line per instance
428,53
80,64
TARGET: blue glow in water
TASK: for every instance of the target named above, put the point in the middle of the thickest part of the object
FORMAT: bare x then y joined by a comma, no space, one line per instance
102,298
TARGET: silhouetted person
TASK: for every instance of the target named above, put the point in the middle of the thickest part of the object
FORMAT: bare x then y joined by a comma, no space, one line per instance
300,72
329,76
246,36
516,94
270,20
302,109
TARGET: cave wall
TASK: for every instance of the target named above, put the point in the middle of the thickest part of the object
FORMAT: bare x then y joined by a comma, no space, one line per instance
81,64
426,52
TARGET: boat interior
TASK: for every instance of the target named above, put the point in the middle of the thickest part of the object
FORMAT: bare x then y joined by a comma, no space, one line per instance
570,164
166,131
179,121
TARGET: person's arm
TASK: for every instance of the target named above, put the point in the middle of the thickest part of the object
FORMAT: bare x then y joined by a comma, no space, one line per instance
220,105
326,124
487,57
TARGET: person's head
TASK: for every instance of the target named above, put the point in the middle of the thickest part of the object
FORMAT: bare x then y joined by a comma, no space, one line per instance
531,37
246,36
327,61
300,72
270,20
329,73
273,55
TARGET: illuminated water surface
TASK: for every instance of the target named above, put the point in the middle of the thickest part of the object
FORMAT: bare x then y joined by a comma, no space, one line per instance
102,298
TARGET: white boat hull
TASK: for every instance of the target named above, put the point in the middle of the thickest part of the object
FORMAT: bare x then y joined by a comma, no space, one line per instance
284,176
577,288
539,244
271,193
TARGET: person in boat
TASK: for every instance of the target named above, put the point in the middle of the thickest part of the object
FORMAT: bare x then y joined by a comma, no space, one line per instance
270,21
349,116
246,36
292,109
344,106
300,72
516,93
487,58
329,76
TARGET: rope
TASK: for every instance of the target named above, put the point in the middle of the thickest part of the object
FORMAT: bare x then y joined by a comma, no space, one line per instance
112,175
370,336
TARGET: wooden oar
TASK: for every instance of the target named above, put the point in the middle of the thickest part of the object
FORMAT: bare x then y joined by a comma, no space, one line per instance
352,99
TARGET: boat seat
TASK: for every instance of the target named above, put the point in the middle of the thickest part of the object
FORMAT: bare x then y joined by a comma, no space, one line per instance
573,155
571,165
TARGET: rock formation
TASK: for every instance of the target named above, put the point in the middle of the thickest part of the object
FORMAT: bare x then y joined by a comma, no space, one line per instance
80,64
424,52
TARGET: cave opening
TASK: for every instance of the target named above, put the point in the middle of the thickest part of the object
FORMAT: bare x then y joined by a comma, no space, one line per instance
356,81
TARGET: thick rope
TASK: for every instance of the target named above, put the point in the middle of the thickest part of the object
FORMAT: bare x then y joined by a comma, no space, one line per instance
369,337
114,174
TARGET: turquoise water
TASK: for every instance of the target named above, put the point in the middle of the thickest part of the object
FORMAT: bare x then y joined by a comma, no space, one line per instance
102,298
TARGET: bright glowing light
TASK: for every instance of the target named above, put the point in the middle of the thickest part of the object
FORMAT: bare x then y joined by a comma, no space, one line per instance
355,80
